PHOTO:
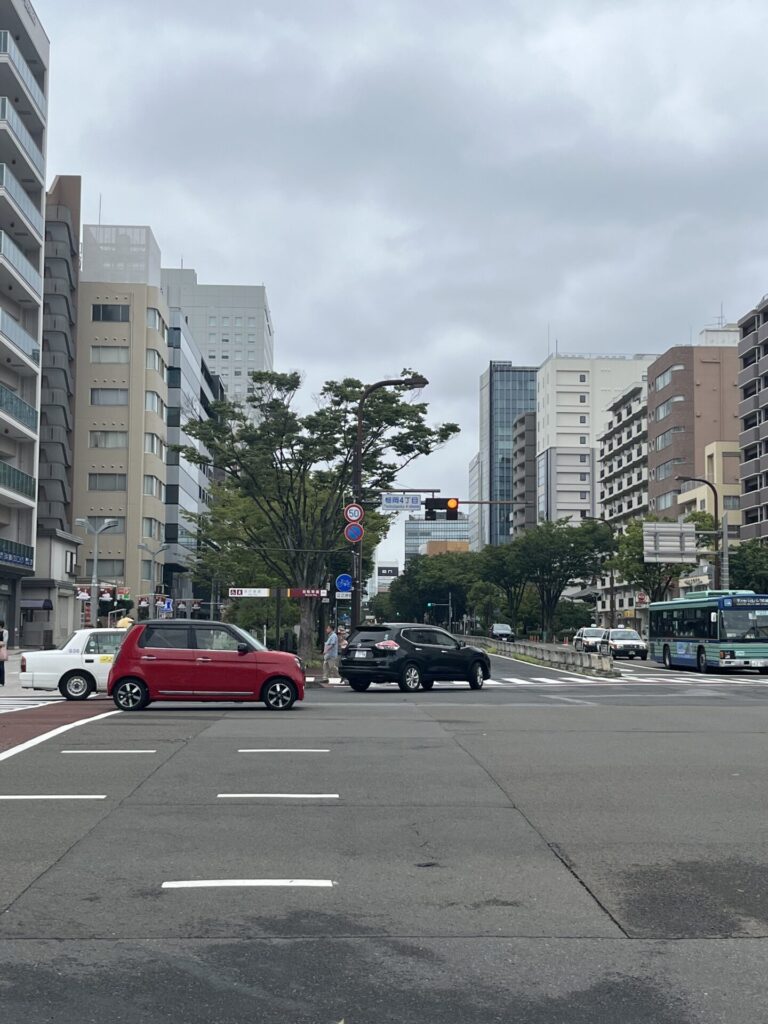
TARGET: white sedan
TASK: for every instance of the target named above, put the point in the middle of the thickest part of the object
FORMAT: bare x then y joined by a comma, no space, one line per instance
78,668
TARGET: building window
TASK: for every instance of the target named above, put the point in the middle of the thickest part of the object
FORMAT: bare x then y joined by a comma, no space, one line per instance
146,570
154,321
97,521
109,396
665,440
583,399
154,361
663,410
667,500
238,373
154,445
112,567
211,321
582,378
211,355
582,477
225,321
667,469
583,495
238,355
731,502
582,458
110,314
664,378
151,528
583,439
108,439
110,354
251,321
582,419
154,488
238,321
225,355
107,481
154,403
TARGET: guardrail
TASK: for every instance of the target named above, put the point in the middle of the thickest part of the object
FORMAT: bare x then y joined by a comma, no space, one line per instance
554,655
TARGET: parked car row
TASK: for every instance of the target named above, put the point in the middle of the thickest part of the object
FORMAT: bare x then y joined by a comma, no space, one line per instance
619,643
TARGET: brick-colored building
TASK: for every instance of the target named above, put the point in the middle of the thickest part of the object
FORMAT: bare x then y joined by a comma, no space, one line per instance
693,400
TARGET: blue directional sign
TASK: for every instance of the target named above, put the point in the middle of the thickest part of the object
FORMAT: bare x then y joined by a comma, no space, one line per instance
344,582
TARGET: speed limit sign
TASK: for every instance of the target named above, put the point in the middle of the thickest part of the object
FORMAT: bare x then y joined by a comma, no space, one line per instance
354,513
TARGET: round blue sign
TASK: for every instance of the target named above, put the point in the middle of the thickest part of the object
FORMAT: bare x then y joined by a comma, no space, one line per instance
344,582
354,532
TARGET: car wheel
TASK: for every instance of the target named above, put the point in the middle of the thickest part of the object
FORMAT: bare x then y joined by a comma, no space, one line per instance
427,684
278,694
130,695
631,655
77,686
667,658
644,657
410,680
701,660
476,676
763,671
359,685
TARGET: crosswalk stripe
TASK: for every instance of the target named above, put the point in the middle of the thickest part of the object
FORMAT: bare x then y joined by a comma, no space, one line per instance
8,706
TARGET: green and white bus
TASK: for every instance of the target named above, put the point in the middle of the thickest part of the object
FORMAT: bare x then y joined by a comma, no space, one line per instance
711,629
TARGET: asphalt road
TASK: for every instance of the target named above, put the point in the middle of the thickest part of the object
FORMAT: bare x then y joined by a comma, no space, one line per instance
550,850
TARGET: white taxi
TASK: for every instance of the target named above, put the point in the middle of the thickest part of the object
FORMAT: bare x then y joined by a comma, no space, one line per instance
78,668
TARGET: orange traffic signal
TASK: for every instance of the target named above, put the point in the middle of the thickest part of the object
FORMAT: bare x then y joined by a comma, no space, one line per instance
452,508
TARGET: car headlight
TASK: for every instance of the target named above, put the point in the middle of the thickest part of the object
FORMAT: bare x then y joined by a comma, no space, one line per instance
298,663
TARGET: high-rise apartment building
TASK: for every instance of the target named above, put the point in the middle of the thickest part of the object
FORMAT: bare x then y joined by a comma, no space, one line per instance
477,515
122,400
693,400
573,395
753,416
231,324
24,53
506,391
192,390
49,610
522,516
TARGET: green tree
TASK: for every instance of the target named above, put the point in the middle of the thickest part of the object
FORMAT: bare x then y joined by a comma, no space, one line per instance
293,472
655,578
430,580
505,567
487,602
381,607
557,555
749,566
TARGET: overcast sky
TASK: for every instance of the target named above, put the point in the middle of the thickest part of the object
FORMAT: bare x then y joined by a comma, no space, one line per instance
430,183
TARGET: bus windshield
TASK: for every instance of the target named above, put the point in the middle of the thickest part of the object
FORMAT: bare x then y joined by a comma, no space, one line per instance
744,624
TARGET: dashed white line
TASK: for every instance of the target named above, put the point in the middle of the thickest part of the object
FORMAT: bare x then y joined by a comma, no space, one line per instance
282,750
244,883
278,796
108,751
55,796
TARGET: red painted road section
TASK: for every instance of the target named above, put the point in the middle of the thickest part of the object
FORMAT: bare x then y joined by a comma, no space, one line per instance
26,725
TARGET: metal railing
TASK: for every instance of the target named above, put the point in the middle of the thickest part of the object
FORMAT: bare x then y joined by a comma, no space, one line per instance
16,334
16,407
16,554
20,263
15,480
12,186
9,47
25,140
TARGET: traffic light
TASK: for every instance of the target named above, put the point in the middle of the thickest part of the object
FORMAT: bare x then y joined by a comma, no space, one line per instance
429,604
448,505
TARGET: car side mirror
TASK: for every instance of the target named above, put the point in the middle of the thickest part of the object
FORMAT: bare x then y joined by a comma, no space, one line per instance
461,643
243,648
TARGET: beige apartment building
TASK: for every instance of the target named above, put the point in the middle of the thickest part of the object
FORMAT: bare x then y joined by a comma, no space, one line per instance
122,394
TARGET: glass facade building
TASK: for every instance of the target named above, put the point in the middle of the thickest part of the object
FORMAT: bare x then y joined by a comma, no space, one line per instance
418,531
506,392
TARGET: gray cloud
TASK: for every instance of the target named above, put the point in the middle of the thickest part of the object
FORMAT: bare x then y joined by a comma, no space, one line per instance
432,184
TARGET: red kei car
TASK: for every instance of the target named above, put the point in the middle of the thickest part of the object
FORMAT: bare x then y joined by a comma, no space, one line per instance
183,659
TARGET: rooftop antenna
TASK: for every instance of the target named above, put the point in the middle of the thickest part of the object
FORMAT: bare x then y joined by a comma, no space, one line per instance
548,349
99,209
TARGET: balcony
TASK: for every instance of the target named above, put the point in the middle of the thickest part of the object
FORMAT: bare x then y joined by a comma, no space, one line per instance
13,553
11,55
752,404
57,214
18,266
61,251
20,141
750,436
17,207
19,410
58,325
13,334
747,343
748,373
12,479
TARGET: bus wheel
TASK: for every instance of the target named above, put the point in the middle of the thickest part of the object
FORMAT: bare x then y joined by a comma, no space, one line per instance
667,658
701,660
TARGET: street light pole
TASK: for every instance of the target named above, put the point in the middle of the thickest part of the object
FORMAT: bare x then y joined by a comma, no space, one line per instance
417,381
716,518
153,553
95,531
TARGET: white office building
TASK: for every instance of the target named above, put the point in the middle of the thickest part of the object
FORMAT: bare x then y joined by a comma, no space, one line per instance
231,324
573,395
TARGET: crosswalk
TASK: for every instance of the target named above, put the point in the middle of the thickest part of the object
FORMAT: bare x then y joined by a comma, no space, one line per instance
10,704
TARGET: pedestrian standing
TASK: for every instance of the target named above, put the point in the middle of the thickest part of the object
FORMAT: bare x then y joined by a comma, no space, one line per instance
330,654
3,651
126,622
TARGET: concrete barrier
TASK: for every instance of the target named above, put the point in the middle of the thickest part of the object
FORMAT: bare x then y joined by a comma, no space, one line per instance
554,655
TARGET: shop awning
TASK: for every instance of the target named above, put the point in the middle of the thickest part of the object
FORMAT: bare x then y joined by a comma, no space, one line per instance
37,604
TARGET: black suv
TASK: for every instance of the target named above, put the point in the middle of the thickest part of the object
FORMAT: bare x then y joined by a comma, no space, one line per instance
411,655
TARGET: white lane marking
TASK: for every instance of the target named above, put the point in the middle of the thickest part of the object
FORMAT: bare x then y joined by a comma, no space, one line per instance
282,750
108,751
55,796
235,883
570,700
518,682
278,796
8,707
54,732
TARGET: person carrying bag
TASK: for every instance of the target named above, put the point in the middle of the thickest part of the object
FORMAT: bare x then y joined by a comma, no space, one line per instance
3,651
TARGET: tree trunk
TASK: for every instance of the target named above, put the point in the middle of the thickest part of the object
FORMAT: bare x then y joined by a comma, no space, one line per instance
308,616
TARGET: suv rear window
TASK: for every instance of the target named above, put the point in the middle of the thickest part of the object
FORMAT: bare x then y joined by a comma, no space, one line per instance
170,637
370,635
